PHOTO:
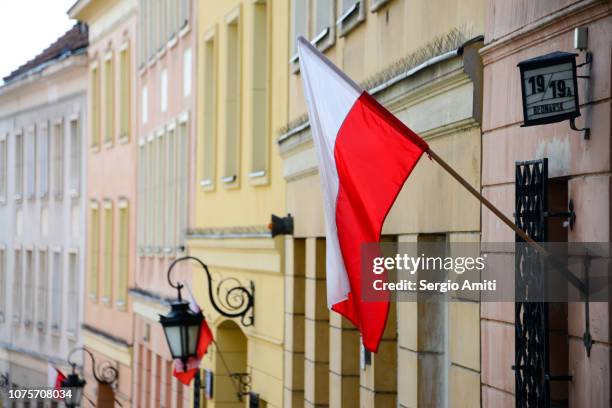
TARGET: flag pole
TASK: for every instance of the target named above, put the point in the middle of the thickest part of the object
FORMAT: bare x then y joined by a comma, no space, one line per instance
482,199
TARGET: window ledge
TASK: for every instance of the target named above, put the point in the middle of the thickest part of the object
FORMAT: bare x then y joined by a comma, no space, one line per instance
207,184
124,139
121,305
105,301
2,200
172,41
58,196
55,330
93,297
230,182
161,52
258,178
95,148
40,326
74,193
71,335
108,144
43,196
142,69
377,5
185,29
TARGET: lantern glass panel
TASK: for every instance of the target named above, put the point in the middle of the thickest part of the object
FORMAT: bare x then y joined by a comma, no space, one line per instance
192,333
173,334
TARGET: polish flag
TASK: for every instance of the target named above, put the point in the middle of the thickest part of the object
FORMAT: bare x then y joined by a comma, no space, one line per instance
55,377
365,155
186,374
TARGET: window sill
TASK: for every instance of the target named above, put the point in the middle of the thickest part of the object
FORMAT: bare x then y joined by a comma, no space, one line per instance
74,193
294,62
93,297
377,5
40,326
325,39
71,335
105,301
28,324
207,185
185,29
124,139
258,178
58,196
142,69
230,182
172,41
43,196
121,305
2,200
55,330
108,144
161,52
95,148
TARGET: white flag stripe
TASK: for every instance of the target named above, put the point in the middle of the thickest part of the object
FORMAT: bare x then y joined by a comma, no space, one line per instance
330,96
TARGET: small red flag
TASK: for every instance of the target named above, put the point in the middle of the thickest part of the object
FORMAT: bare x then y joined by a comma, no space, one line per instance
185,374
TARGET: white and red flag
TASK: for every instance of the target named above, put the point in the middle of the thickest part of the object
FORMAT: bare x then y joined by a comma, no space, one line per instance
365,155
55,377
186,374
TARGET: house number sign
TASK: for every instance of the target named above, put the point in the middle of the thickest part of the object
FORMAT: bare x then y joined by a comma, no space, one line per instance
549,88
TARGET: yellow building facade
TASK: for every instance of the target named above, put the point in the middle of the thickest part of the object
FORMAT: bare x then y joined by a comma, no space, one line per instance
419,59
242,102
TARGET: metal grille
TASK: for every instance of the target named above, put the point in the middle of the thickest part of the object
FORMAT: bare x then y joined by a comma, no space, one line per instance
531,318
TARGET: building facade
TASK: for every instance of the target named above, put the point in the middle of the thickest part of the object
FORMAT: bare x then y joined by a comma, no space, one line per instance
111,194
166,94
578,173
419,59
242,99
43,117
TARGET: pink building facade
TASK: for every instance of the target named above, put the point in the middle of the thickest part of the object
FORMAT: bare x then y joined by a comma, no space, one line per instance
579,171
166,97
112,150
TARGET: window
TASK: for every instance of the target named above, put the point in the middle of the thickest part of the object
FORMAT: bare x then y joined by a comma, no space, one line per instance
94,249
109,98
161,198
163,79
17,294
18,165
259,102
75,156
353,13
184,13
299,27
108,253
56,289
2,283
187,65
73,298
31,162
324,25
171,189
173,18
29,288
95,105
209,112
43,279
150,176
232,102
150,23
124,248
142,38
43,160
161,24
124,89
58,159
182,180
3,167
145,105
141,199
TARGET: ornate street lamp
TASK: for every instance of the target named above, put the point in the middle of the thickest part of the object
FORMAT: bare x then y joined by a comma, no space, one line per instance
182,325
105,373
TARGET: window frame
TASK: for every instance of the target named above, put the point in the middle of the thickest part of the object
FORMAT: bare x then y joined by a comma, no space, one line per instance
4,143
94,240
210,109
351,18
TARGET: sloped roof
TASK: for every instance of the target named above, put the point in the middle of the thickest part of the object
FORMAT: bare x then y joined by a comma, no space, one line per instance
73,40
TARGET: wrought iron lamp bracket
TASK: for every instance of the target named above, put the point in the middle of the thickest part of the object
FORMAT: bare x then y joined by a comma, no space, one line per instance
104,373
238,301
244,384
